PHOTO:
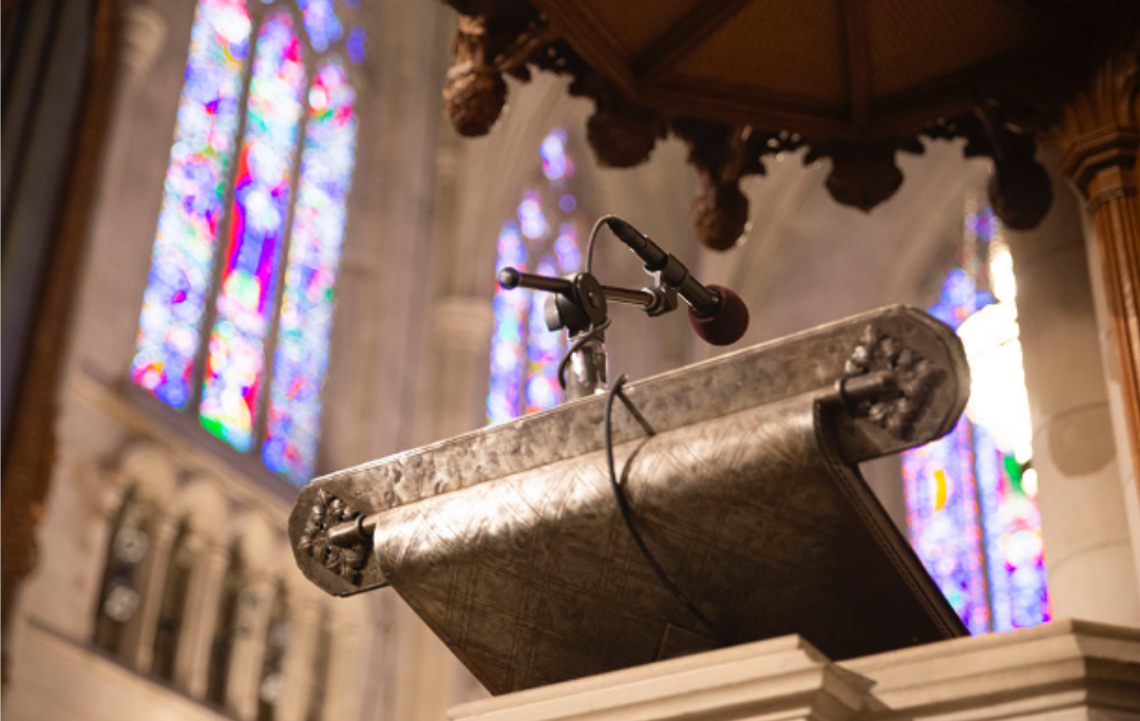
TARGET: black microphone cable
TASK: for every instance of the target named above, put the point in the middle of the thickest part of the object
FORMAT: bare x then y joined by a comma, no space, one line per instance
619,490
627,512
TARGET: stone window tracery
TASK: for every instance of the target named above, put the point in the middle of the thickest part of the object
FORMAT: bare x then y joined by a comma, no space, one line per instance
237,313
121,593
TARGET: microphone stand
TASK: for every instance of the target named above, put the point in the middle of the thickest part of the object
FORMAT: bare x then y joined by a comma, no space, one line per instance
578,303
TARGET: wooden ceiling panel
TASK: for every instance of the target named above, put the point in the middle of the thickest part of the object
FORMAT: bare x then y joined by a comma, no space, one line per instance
752,50
638,24
912,43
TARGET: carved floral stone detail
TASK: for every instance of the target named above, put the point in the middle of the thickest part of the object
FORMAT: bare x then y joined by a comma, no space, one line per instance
327,512
914,375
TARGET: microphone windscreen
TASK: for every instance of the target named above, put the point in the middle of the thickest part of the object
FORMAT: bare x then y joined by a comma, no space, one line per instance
728,324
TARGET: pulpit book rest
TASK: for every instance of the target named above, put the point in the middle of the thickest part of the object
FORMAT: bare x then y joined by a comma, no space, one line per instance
742,474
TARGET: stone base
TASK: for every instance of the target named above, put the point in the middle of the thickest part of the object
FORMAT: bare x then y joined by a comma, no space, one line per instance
1063,670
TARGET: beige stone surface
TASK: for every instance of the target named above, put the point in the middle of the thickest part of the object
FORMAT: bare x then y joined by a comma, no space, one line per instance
1063,670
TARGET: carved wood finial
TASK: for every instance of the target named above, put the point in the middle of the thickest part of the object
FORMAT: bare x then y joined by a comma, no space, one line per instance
622,134
474,92
862,174
1019,190
722,155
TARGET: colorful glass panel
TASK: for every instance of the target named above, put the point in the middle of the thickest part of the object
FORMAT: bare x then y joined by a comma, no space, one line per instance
510,309
246,296
321,23
524,377
301,358
1014,546
971,498
566,248
354,44
942,513
555,163
193,202
532,220
543,350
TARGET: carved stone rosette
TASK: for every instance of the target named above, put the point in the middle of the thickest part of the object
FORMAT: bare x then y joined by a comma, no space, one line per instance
914,375
327,512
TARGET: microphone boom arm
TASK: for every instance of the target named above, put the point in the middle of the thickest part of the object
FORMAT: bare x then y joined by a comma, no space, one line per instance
578,304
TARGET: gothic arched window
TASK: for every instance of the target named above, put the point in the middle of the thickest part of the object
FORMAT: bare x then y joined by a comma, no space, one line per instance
972,495
237,312
121,596
543,239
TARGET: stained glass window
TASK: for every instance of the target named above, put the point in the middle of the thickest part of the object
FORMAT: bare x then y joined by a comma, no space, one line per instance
301,357
279,201
194,202
541,238
257,228
972,495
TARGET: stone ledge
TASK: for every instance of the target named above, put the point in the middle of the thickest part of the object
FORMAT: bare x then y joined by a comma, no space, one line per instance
1066,669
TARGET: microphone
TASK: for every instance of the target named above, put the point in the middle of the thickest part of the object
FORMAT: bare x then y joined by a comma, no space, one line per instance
727,324
717,314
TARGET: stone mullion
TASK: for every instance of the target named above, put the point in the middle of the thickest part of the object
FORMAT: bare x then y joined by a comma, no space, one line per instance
192,662
255,608
297,668
140,632
346,668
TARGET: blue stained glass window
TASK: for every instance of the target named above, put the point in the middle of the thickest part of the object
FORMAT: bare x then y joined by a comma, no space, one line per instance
972,495
197,177
287,116
301,357
543,236
257,229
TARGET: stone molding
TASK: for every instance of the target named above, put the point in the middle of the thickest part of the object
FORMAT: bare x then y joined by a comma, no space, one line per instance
1065,669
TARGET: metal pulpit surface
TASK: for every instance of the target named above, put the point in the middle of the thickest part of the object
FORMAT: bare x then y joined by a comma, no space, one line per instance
741,474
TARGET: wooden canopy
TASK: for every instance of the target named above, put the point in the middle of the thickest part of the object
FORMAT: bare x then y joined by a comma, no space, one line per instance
855,80
828,69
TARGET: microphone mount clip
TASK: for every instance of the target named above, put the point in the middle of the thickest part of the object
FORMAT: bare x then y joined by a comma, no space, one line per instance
578,304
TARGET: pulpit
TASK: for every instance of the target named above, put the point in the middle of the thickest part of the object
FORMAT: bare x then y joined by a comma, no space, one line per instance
712,506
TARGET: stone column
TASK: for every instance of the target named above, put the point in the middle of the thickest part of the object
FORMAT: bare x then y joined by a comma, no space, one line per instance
425,678
255,607
138,641
347,664
304,624
461,344
1100,137
191,666
1088,550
